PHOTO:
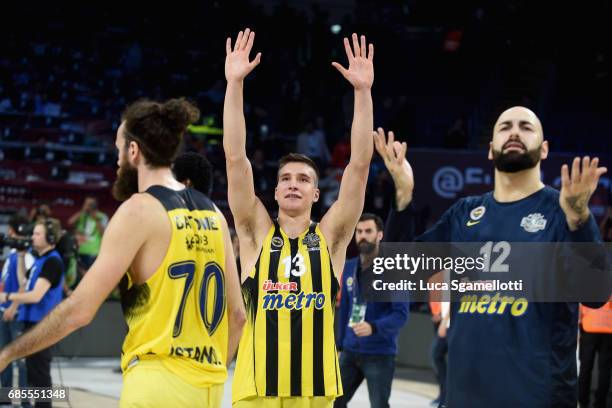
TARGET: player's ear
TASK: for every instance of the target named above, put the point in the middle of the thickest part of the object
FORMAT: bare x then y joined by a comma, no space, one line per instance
133,152
544,150
316,195
380,235
490,156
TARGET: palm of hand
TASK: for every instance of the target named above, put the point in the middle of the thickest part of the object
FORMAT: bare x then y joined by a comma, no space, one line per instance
360,73
237,65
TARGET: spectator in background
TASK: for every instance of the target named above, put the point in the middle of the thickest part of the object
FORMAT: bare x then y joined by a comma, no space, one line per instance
341,152
40,213
595,339
368,331
43,291
311,142
329,187
457,136
89,225
194,170
440,316
263,174
606,226
10,327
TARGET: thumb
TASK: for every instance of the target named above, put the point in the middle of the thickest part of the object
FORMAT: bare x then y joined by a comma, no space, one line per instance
340,68
257,60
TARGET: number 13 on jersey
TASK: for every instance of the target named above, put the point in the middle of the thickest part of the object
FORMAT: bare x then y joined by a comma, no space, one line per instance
294,266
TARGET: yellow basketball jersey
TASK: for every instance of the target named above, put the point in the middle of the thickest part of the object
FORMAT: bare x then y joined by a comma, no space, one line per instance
178,315
288,347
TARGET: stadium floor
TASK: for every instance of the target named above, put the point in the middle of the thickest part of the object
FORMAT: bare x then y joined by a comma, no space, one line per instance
93,383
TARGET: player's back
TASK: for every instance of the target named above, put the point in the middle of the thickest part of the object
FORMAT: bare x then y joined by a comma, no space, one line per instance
177,315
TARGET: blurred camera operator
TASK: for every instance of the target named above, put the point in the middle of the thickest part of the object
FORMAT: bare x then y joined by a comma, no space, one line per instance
40,213
10,328
89,224
43,283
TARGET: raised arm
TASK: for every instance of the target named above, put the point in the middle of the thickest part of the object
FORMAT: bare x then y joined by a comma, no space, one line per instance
400,222
394,155
244,204
339,222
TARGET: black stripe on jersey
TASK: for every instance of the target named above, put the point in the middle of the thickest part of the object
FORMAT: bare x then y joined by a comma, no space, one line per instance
335,287
250,293
296,333
272,324
318,378
187,198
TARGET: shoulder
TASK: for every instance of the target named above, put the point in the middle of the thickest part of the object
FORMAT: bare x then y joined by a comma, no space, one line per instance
138,207
467,204
551,194
54,260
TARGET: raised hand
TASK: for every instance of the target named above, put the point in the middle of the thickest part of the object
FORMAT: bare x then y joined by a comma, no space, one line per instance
577,189
360,72
237,64
393,154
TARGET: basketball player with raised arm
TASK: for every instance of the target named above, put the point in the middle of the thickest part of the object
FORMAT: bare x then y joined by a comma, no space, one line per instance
287,355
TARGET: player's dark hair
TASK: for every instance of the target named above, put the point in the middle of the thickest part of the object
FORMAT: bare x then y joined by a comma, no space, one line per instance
195,167
158,128
298,158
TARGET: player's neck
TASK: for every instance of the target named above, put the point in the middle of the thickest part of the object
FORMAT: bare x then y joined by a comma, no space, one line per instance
511,187
157,177
293,225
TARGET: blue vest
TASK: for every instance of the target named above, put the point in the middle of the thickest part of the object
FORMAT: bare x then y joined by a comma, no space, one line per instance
11,284
35,312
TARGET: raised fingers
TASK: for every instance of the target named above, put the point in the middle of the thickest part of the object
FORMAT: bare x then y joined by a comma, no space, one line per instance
356,49
565,179
585,171
362,50
250,40
238,40
245,38
347,48
228,45
379,141
575,176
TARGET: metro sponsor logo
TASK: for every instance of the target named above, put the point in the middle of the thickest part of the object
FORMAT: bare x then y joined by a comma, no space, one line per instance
496,304
291,301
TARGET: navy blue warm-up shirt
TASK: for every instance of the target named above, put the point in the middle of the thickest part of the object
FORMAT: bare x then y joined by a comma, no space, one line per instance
524,357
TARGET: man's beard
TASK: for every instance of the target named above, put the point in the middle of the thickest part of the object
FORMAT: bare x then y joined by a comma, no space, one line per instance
126,183
366,247
514,161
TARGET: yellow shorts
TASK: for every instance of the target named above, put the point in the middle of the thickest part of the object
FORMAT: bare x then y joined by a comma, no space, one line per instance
150,385
285,402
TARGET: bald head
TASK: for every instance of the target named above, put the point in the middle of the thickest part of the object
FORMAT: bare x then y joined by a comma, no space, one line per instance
518,140
518,114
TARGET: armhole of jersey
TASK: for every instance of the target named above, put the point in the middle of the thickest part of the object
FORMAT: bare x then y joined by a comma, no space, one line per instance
335,280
